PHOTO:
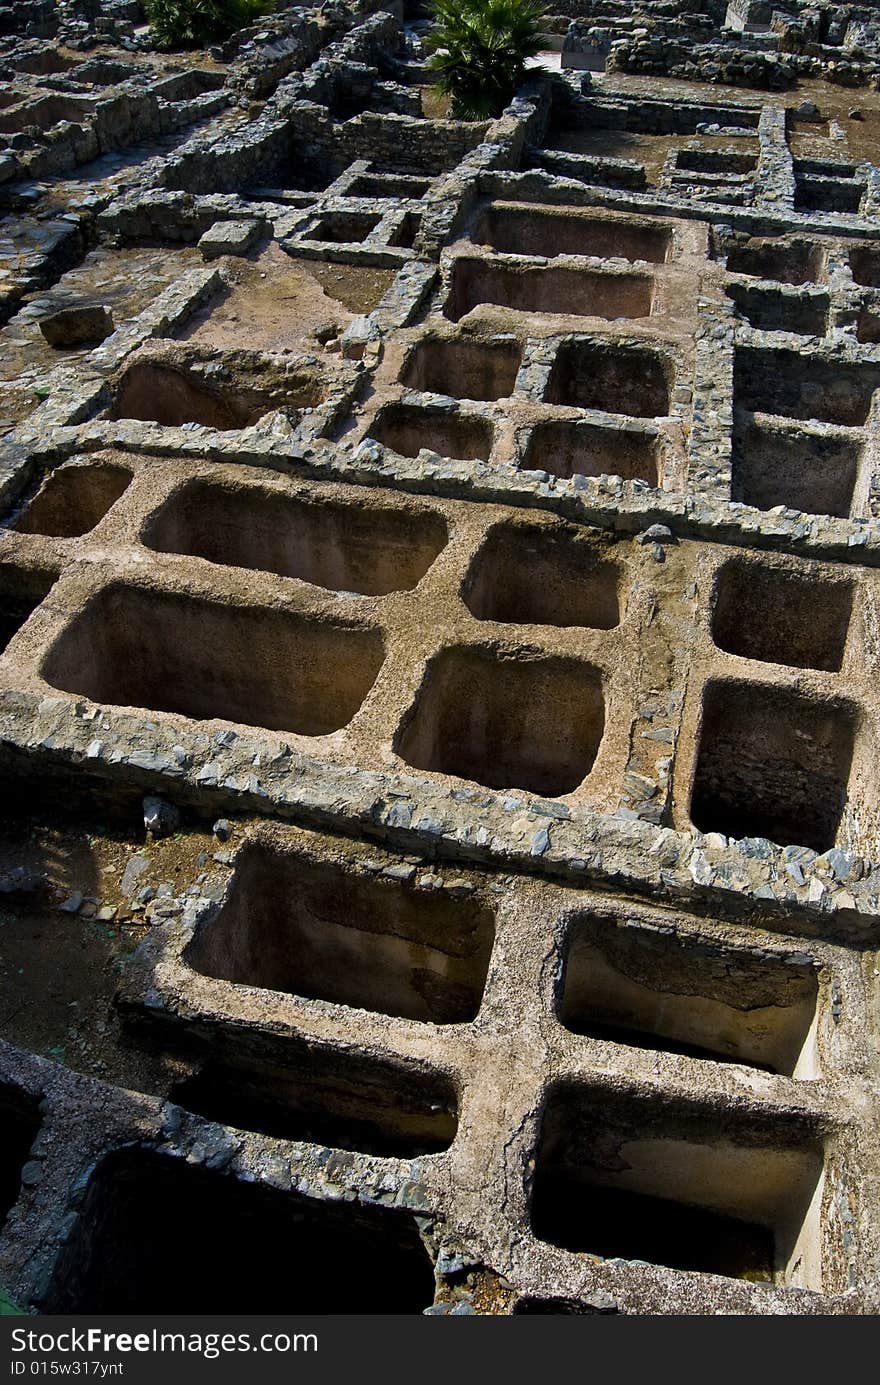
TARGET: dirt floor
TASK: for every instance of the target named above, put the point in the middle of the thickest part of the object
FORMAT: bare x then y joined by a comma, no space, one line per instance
125,280
648,150
60,952
435,106
807,140
284,301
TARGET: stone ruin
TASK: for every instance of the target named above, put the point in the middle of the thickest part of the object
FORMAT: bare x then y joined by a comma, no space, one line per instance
439,703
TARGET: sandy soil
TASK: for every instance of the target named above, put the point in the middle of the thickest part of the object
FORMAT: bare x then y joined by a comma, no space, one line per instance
278,303
59,970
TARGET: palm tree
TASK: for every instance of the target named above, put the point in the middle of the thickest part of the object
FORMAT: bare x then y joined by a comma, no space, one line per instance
480,49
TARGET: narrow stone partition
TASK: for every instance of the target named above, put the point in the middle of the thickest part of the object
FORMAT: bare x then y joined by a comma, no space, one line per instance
816,472
807,387
407,428
73,499
170,652
772,762
524,288
781,614
506,720
333,1097
543,576
20,1121
572,448
674,1183
521,230
250,1248
463,368
681,994
592,374
326,931
345,546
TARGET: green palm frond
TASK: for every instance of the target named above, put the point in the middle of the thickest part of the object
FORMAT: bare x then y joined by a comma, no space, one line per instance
479,49
198,23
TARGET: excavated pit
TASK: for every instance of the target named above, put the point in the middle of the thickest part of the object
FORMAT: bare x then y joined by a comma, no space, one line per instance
771,310
868,327
329,1097
249,1248
22,590
828,195
21,1122
347,547
567,449
556,290
509,721
788,262
715,161
781,616
407,429
407,232
74,499
172,396
540,577
658,990
783,382
318,930
169,652
343,228
815,473
772,763
463,369
441,736
388,185
667,1182
617,379
530,231
864,263
46,112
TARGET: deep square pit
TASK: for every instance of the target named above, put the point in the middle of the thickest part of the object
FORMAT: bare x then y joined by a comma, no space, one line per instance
669,1183
520,230
811,472
552,290
408,428
630,380
788,262
805,387
678,994
509,721
74,499
169,652
463,368
781,615
317,929
568,448
772,763
349,547
250,1248
538,576
330,1096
